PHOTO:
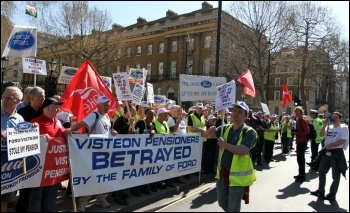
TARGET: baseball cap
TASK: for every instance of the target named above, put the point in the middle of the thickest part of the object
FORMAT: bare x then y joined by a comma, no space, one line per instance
191,109
102,99
242,105
200,105
227,111
211,117
172,105
313,111
49,101
259,112
184,112
273,116
144,104
162,110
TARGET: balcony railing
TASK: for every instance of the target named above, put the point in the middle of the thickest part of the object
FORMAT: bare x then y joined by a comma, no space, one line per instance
156,78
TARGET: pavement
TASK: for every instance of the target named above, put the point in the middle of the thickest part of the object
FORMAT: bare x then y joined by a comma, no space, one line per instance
65,203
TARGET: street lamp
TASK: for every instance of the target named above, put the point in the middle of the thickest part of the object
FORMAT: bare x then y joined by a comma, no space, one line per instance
4,61
52,65
268,72
51,80
187,40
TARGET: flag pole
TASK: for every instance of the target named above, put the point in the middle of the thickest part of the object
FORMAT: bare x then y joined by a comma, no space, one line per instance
35,71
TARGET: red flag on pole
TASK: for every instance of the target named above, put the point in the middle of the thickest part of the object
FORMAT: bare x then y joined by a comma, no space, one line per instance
286,98
82,93
247,80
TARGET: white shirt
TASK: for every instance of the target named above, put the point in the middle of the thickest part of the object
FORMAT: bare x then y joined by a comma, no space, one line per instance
335,134
103,124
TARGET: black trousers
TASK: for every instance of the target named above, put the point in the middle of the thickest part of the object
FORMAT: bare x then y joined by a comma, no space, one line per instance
260,147
268,150
23,200
301,147
314,150
209,154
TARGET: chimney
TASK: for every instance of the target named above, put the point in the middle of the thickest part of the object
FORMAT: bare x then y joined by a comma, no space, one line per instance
206,5
170,13
141,20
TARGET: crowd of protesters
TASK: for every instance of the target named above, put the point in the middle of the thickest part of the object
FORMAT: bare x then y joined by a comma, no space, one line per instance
173,119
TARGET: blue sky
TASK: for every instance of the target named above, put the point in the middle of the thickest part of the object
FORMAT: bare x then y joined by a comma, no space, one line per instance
125,13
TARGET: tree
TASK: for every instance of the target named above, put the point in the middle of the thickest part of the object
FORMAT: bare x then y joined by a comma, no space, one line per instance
266,27
312,26
75,32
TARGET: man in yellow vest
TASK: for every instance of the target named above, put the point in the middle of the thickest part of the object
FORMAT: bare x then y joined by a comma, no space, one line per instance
286,131
318,124
196,123
235,171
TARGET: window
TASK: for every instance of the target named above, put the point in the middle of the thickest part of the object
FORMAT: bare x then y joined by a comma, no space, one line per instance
277,96
206,67
119,53
118,69
138,50
173,70
207,42
160,70
290,81
189,66
149,49
191,44
174,46
138,66
128,52
277,82
149,68
161,47
277,110
127,68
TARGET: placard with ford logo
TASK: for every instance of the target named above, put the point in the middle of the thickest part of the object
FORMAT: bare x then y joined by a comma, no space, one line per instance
198,88
22,141
66,75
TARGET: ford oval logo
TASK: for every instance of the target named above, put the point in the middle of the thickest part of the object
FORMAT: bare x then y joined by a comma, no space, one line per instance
206,84
23,126
12,170
21,40
70,71
158,100
106,82
137,74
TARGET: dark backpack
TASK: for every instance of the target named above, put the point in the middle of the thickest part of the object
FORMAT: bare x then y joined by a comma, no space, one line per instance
312,135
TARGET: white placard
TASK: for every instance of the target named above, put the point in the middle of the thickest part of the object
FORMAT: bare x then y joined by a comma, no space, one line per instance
197,88
22,143
122,86
108,81
136,75
137,94
226,95
150,93
265,108
160,100
29,66
66,74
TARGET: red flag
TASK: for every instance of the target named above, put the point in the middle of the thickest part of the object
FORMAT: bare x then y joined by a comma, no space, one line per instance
247,80
286,98
82,93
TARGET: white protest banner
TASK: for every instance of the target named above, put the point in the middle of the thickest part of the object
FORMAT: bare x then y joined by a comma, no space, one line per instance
159,100
226,95
29,66
150,93
66,74
129,160
265,108
108,81
122,86
22,143
197,88
137,94
47,168
135,75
